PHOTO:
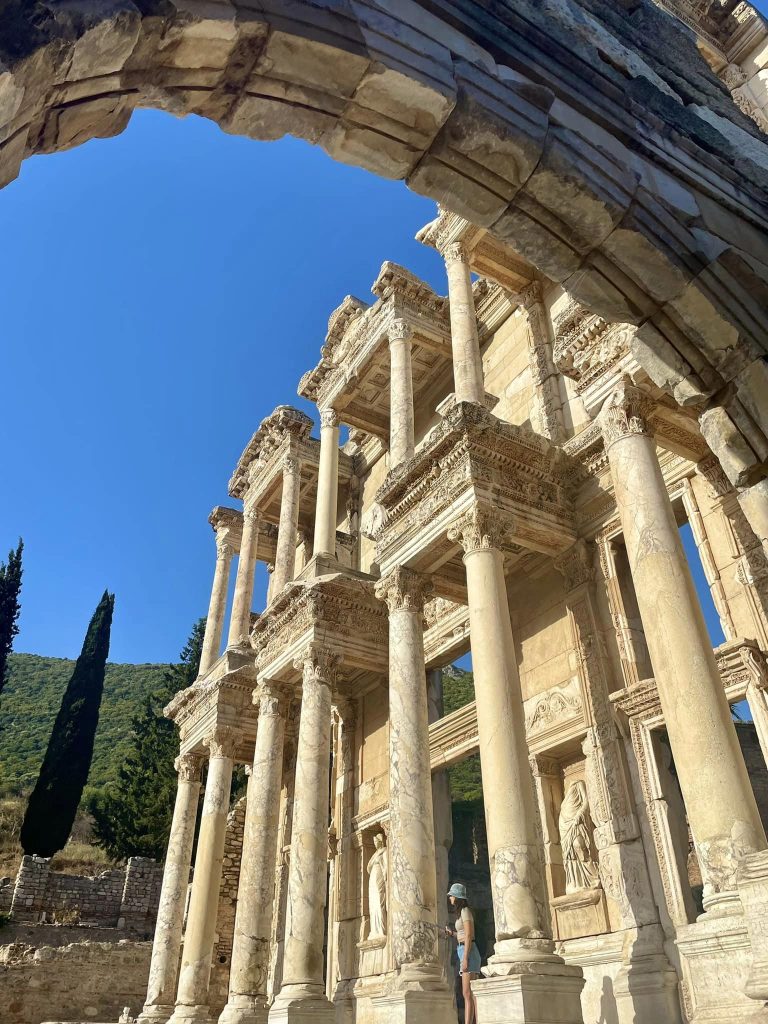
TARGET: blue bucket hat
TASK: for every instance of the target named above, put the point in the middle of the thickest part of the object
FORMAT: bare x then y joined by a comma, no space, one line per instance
458,890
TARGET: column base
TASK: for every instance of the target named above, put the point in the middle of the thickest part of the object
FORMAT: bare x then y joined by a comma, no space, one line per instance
537,993
183,1014
647,991
155,1013
245,1010
419,996
509,954
302,1004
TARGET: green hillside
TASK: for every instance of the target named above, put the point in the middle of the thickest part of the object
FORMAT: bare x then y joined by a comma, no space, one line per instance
28,707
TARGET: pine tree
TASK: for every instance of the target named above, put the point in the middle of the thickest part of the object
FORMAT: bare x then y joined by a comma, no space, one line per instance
133,818
10,586
54,801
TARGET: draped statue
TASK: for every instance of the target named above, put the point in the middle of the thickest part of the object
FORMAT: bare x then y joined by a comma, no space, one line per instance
377,889
575,826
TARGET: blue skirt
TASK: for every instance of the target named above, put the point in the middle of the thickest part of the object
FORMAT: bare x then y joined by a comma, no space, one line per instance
474,958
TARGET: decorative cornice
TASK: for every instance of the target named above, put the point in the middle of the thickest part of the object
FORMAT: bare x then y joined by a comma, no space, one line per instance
479,530
189,767
285,421
624,414
403,589
222,741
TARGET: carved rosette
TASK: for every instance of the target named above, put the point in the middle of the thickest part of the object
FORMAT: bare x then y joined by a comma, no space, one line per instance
329,418
222,741
624,414
575,566
318,666
400,330
188,767
271,698
479,530
404,590
454,252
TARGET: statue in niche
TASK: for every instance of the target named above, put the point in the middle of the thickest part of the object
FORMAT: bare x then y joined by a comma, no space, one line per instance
377,889
575,826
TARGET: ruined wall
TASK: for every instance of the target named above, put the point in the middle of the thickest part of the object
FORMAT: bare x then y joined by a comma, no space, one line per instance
123,897
225,920
91,981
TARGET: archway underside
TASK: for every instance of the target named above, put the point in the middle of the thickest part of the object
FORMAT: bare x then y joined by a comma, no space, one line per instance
625,174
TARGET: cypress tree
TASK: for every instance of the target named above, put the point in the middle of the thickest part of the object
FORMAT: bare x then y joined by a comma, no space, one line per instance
10,587
133,818
54,801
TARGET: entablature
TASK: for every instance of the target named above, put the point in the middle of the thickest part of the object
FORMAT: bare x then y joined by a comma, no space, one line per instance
353,374
469,459
338,611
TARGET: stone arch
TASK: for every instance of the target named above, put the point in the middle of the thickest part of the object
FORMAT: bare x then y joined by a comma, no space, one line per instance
589,137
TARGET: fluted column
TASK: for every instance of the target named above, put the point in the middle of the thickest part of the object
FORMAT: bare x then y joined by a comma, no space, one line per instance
401,429
718,796
510,805
288,527
214,624
240,621
192,998
468,381
247,1002
327,484
302,994
161,989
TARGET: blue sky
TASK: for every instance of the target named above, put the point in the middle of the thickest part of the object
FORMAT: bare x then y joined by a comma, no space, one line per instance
164,290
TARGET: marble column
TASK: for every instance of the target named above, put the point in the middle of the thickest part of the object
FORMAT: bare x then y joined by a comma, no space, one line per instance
214,624
442,815
240,620
192,998
401,435
510,805
302,994
247,1001
412,892
468,383
719,802
288,527
161,989
525,980
327,485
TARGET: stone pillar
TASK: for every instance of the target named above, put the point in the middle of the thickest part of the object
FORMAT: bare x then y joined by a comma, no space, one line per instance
401,436
327,485
173,894
240,621
247,1002
525,981
214,624
288,527
468,384
412,892
441,813
302,995
718,796
548,418
345,931
192,997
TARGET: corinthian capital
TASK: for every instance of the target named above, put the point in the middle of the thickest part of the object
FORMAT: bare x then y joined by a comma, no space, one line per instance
251,514
329,418
318,665
222,741
400,330
188,767
271,698
403,589
624,413
291,466
479,530
224,551
575,566
454,252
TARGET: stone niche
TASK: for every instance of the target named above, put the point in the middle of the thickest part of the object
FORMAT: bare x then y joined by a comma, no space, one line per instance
577,898
374,928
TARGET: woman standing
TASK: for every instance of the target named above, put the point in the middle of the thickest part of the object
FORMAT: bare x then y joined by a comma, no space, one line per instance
469,954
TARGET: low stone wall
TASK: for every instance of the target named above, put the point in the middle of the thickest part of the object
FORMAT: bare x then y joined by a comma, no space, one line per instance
91,981
123,897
